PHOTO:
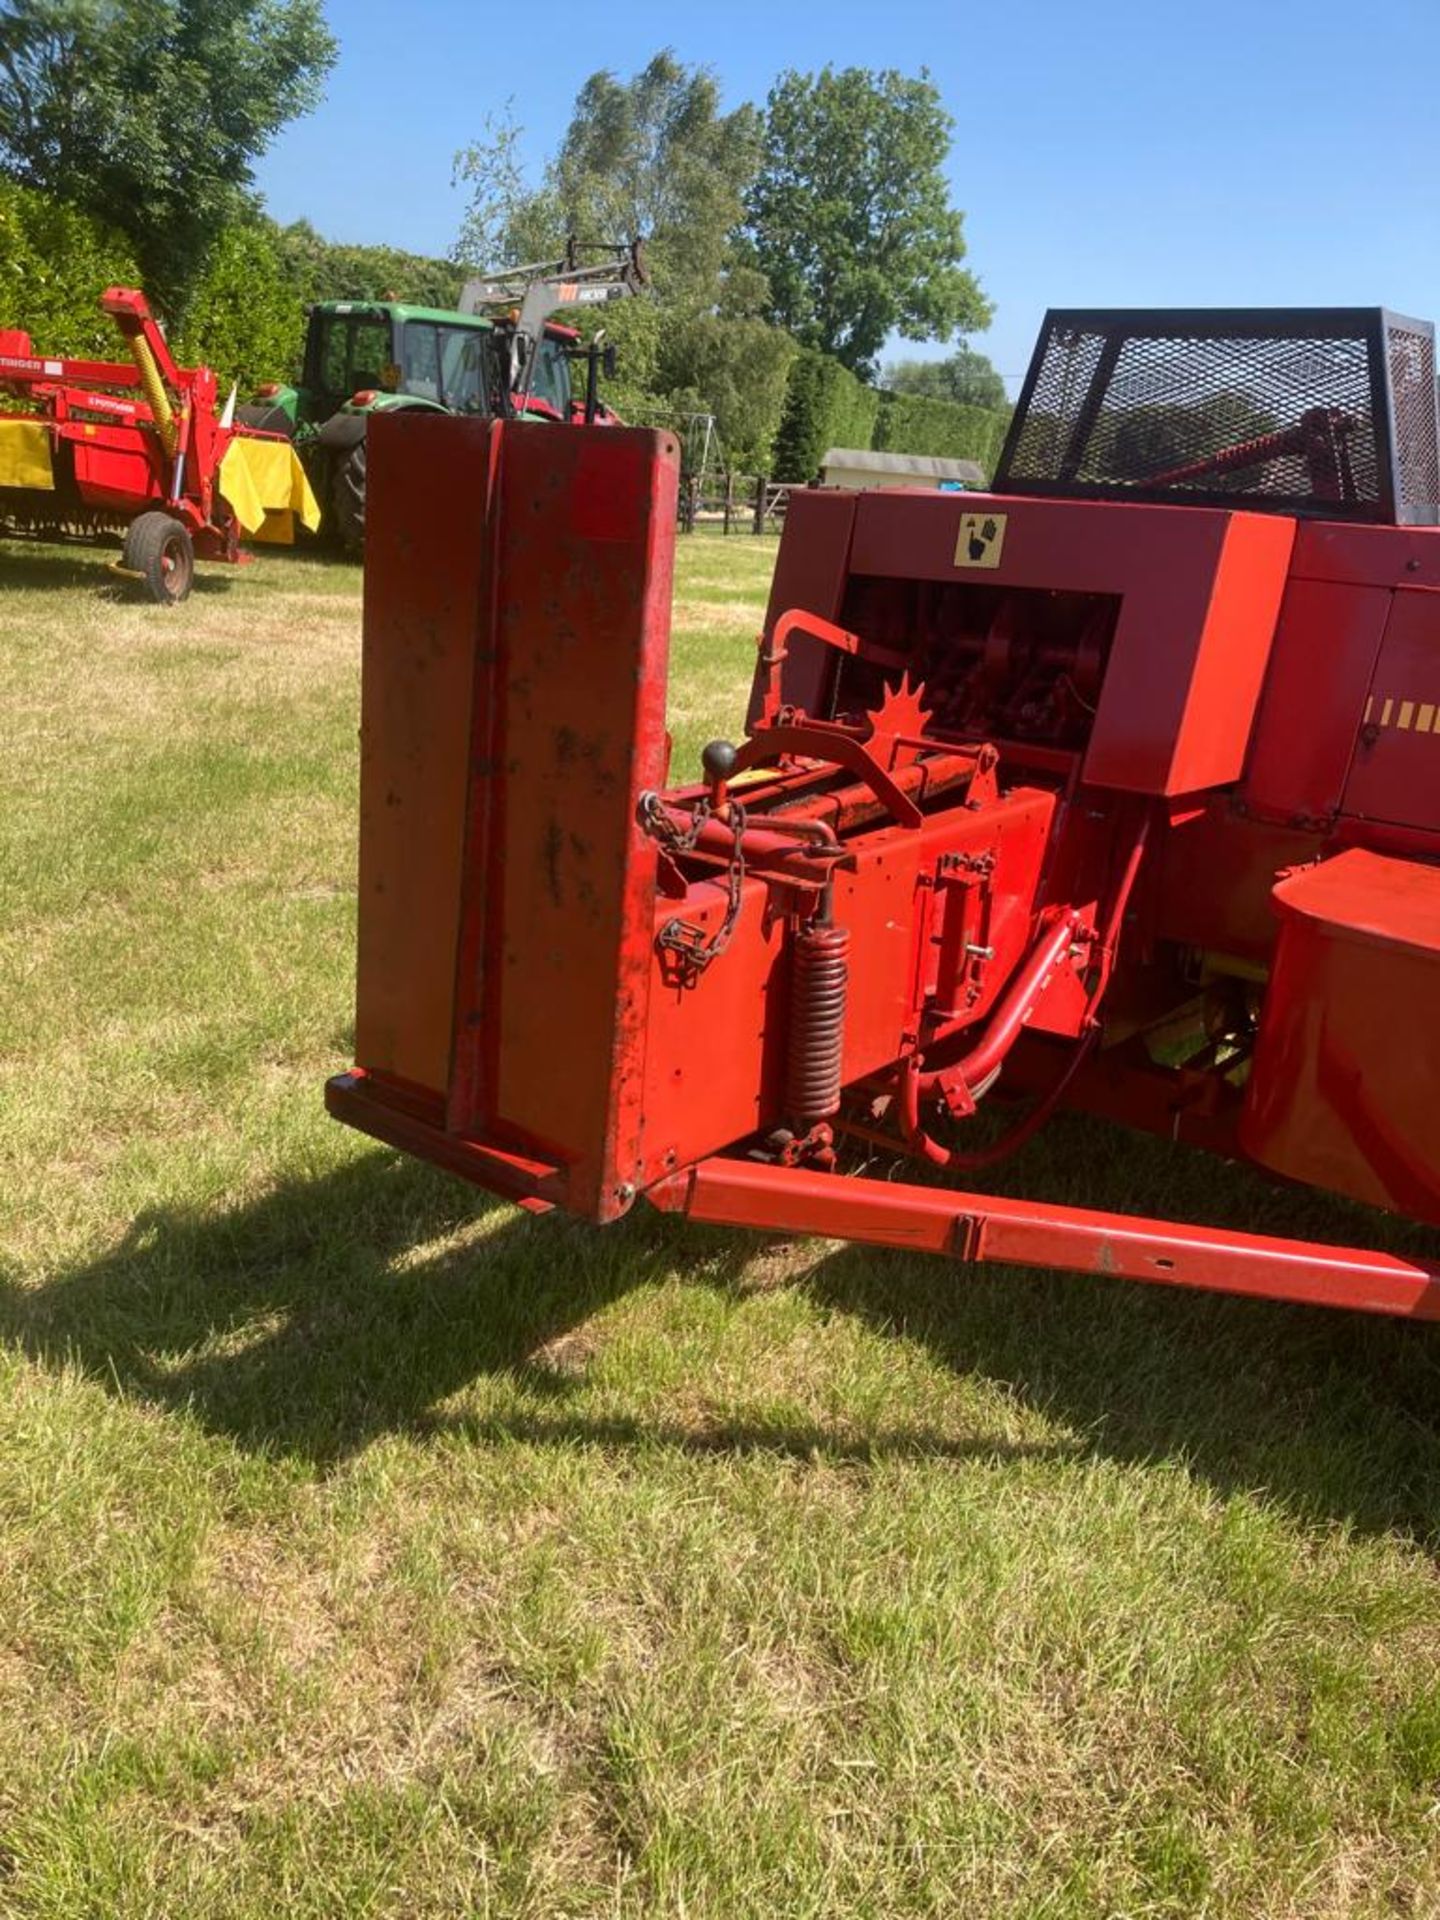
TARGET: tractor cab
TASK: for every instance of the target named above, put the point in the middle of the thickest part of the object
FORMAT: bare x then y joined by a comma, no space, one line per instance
546,390
365,355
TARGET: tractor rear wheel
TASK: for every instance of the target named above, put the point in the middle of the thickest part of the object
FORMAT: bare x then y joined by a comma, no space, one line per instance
162,553
347,498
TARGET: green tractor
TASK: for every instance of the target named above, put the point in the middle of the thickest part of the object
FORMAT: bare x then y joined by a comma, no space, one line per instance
500,356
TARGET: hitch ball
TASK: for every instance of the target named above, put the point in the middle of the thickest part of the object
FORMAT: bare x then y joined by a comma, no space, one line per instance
718,760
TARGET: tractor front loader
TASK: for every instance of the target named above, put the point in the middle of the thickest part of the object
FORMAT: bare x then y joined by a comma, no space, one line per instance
1117,788
521,300
137,447
500,356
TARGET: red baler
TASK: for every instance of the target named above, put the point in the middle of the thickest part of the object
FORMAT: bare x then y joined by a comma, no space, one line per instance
1117,787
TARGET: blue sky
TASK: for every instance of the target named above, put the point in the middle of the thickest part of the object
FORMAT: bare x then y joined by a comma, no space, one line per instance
1107,152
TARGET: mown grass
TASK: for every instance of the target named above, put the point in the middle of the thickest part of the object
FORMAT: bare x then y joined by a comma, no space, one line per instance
367,1548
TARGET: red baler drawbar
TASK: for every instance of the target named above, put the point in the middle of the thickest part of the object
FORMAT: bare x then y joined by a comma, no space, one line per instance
1117,788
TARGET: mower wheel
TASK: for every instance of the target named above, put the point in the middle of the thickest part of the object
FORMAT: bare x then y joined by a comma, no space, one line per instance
160,554
347,498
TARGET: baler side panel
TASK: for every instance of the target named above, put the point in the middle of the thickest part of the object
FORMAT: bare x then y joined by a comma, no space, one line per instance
1366,556
1314,700
582,625
423,589
1395,775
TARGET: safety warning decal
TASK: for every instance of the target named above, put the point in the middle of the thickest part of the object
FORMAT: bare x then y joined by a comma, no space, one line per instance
982,540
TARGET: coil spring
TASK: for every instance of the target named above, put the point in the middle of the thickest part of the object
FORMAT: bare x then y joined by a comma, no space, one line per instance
820,968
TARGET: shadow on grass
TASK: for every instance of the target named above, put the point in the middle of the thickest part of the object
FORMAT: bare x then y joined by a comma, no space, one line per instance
1336,1413
44,569
309,1322
318,1317
332,1311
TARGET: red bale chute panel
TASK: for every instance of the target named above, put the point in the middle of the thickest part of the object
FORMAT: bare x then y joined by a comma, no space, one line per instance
1117,787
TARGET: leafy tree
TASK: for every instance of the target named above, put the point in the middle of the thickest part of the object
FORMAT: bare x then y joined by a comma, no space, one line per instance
734,369
499,198
323,269
147,114
652,155
965,376
850,219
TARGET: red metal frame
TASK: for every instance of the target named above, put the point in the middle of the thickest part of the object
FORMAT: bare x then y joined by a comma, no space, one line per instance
124,456
1018,802
1029,1233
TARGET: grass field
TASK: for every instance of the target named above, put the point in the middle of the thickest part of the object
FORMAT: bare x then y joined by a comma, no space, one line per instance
367,1548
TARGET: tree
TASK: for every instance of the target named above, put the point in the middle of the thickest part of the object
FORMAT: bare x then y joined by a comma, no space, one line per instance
147,114
850,217
491,168
652,156
322,269
734,369
965,376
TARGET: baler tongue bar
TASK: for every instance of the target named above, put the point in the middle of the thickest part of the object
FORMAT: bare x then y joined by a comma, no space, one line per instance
972,1227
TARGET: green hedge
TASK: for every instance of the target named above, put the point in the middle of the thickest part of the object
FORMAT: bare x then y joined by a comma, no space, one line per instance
54,265
245,319
825,406
910,423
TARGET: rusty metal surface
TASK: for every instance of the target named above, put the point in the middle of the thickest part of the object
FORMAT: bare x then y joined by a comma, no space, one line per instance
517,625
430,485
1033,771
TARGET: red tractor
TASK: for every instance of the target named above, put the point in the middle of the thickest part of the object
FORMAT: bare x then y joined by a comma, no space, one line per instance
1116,788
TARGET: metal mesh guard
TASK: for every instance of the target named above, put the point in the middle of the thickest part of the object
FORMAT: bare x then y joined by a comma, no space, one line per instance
1326,411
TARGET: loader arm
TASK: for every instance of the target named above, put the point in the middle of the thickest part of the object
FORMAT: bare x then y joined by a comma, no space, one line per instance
544,288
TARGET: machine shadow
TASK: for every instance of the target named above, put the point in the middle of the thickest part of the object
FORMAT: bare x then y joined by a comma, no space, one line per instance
1335,1414
328,1312
41,572
333,1311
